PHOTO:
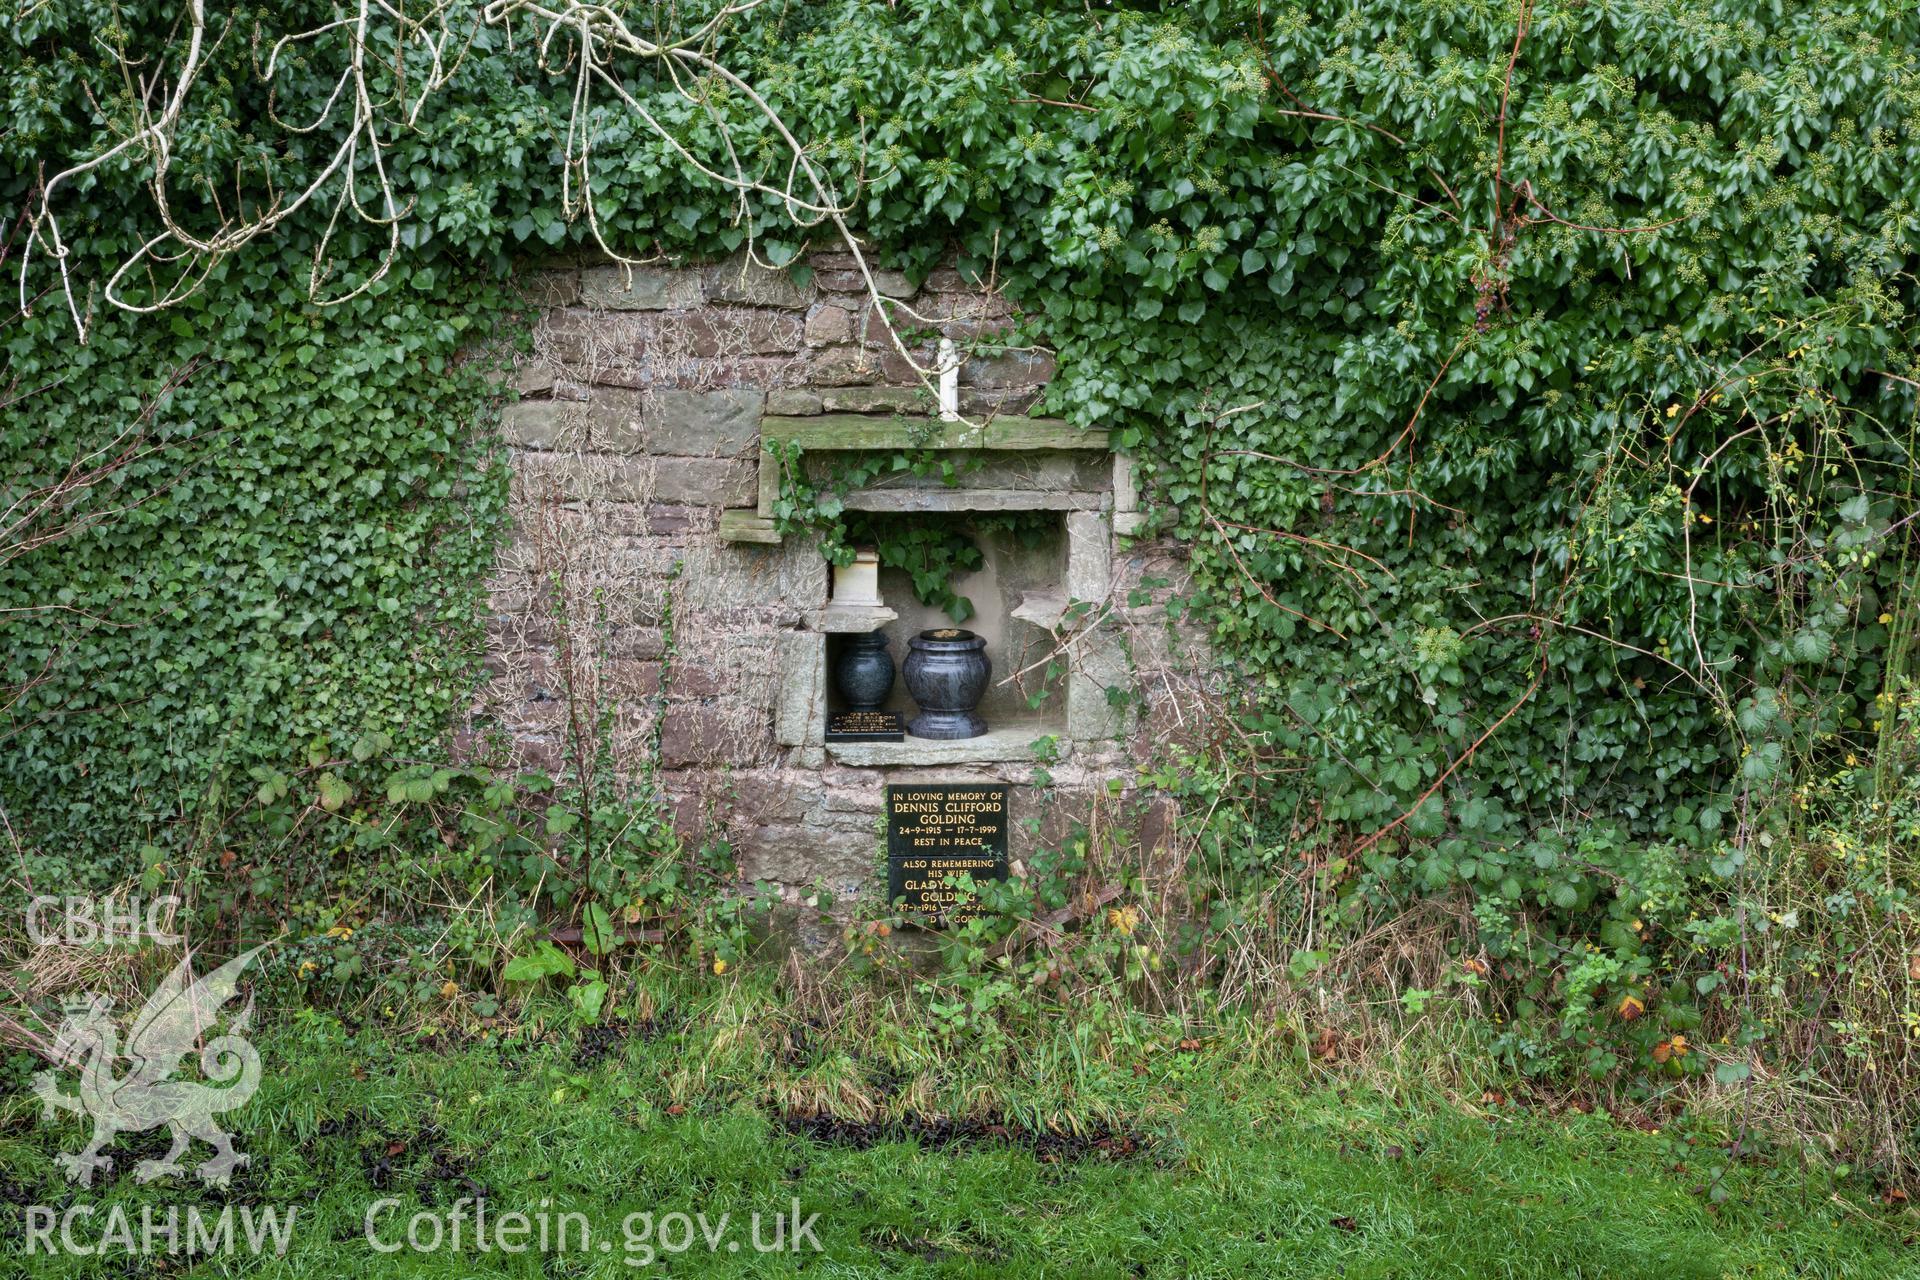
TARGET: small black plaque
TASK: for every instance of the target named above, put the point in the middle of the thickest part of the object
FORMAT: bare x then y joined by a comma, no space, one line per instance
866,726
936,830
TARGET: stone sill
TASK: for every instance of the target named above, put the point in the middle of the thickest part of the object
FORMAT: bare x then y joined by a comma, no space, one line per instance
850,619
995,746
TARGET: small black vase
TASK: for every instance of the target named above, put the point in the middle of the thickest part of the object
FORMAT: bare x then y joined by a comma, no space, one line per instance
946,672
864,671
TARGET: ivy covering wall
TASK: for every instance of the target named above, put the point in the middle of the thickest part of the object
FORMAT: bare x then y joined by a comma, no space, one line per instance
1532,384
294,550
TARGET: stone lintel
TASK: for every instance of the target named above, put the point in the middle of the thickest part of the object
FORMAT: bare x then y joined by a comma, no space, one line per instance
871,431
974,500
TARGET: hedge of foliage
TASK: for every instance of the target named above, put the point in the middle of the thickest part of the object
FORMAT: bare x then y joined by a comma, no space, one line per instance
1532,382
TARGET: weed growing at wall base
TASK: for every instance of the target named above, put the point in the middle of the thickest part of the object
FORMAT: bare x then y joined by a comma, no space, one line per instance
1109,1155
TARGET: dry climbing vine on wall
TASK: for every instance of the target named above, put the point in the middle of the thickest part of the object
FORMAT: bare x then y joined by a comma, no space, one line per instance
371,99
392,63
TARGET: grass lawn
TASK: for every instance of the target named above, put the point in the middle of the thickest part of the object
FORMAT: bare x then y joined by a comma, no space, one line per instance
1176,1164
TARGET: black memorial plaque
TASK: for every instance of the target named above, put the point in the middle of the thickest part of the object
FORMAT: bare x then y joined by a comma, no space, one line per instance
935,830
866,726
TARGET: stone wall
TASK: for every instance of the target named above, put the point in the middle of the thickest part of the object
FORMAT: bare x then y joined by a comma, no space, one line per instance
639,423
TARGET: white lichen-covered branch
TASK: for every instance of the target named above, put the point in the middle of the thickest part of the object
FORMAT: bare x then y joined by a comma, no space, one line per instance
391,62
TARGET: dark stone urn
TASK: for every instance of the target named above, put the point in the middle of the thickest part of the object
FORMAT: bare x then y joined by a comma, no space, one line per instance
946,672
864,671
